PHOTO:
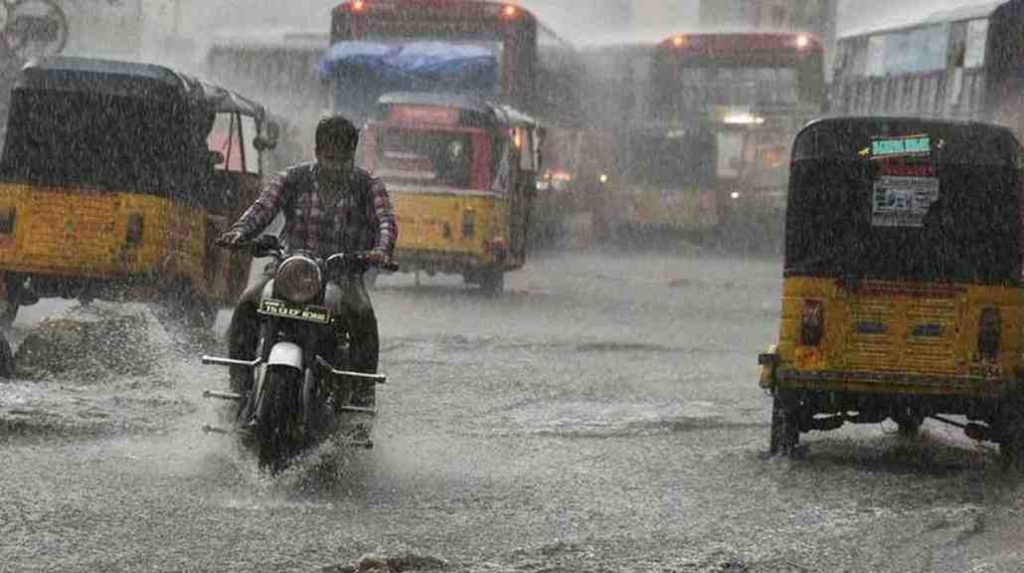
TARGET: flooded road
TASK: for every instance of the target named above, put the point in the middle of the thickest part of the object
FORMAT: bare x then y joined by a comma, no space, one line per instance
602,416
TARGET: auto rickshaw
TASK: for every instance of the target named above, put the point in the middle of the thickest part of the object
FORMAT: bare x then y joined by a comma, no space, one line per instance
462,176
902,281
115,180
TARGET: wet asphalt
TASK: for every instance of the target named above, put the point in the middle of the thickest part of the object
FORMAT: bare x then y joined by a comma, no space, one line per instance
603,415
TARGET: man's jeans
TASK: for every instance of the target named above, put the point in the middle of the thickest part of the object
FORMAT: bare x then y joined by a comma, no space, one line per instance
355,309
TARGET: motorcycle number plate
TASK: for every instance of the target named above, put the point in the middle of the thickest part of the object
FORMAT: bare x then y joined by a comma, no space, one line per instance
273,307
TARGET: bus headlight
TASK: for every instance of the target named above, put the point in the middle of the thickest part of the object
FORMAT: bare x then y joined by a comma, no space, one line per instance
298,280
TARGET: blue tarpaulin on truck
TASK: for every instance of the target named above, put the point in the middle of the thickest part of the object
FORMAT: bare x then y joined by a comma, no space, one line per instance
360,71
414,64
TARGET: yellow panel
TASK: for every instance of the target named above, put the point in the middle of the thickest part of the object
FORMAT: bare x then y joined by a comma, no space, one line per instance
434,222
900,328
82,233
680,209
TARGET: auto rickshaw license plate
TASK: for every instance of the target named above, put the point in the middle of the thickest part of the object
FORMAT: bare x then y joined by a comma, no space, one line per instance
274,307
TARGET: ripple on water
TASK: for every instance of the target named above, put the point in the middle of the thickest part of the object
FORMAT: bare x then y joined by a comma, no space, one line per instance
591,419
372,563
98,370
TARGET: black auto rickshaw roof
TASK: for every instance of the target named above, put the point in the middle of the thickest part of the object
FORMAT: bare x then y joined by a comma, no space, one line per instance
908,199
957,141
64,73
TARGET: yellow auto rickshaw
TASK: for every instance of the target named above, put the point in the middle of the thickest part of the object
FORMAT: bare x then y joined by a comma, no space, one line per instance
462,175
115,180
902,295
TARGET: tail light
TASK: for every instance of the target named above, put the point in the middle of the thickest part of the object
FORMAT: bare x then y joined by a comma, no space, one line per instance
989,327
468,223
812,324
133,231
7,217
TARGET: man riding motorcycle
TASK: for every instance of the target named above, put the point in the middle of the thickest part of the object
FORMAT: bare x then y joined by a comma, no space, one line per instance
329,206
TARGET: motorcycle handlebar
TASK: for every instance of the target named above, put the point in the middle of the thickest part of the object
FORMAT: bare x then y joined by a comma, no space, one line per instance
363,260
270,245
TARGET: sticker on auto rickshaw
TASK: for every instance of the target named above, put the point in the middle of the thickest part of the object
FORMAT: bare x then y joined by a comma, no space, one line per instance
273,307
901,146
902,201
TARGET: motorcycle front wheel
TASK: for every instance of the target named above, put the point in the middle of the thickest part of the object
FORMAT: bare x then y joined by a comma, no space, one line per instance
278,430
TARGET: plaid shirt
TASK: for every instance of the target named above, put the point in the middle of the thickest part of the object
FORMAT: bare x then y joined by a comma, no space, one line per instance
362,219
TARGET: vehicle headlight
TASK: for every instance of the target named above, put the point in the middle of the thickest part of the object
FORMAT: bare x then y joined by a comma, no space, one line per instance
298,280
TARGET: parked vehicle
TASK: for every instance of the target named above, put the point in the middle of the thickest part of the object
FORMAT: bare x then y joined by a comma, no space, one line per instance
902,295
115,180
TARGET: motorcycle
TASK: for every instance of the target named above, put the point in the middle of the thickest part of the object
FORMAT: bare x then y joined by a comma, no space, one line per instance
300,391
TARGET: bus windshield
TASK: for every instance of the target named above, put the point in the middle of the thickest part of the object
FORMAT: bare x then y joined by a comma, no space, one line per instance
739,87
715,76
363,71
431,157
677,160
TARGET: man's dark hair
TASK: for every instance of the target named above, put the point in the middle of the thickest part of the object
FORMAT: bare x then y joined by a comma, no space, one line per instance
336,132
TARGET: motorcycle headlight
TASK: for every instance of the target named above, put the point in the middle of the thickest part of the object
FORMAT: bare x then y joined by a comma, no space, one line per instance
298,280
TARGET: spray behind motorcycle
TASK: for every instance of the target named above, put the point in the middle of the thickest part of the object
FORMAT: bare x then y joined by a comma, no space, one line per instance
301,389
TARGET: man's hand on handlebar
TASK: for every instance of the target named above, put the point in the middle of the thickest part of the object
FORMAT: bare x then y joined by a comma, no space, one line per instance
375,257
381,260
231,239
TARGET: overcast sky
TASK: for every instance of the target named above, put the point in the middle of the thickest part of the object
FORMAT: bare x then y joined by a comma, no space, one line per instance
577,20
855,14
565,15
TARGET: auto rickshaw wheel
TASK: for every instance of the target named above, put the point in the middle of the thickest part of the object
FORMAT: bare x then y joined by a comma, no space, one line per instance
7,369
785,432
8,312
1011,451
492,281
1010,436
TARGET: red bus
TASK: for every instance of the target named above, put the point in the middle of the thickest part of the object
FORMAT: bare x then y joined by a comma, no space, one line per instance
514,59
754,90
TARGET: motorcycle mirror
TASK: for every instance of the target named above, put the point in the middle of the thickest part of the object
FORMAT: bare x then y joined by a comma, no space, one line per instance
268,139
266,245
335,264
